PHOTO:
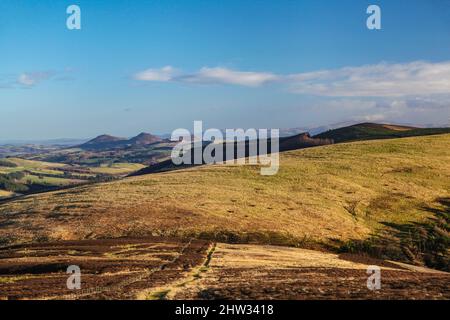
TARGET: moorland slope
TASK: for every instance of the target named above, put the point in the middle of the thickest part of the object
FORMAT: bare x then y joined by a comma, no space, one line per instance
372,131
334,192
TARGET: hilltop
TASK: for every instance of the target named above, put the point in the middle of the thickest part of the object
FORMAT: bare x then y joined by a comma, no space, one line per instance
103,150
372,131
105,142
144,139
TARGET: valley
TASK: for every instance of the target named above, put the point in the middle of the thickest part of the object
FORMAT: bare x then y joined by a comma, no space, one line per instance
33,169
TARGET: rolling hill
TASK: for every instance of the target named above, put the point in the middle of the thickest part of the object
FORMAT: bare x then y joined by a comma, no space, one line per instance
144,139
329,195
298,141
105,150
103,141
356,132
107,142
372,131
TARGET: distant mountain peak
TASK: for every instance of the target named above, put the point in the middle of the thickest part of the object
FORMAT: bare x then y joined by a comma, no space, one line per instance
105,138
102,141
144,138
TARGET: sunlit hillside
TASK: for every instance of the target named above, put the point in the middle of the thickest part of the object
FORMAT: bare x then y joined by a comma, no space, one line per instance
331,192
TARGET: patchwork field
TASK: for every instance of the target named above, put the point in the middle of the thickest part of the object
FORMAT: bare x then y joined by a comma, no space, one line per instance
30,165
20,176
54,168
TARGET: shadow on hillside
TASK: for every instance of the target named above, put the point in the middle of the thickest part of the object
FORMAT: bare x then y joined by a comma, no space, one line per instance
238,150
426,243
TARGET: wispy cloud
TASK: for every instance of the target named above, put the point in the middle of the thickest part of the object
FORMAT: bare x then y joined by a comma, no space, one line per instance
207,75
163,74
30,79
413,110
33,78
380,80
227,76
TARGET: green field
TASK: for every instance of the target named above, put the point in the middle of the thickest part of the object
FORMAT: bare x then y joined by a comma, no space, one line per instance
38,167
33,164
35,173
51,181
41,176
117,168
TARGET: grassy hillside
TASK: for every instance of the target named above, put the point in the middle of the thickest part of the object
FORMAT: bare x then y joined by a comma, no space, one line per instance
372,131
341,192
299,141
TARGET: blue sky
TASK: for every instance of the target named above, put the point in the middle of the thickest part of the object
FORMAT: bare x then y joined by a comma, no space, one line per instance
159,65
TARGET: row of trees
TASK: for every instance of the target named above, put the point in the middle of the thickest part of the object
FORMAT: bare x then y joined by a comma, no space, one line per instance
6,163
10,182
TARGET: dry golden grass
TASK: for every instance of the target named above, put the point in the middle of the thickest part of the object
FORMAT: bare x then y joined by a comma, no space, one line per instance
264,256
4,193
339,191
271,272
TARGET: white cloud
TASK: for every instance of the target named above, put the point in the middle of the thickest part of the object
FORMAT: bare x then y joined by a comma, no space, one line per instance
32,78
401,110
207,76
372,117
163,74
227,76
380,80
